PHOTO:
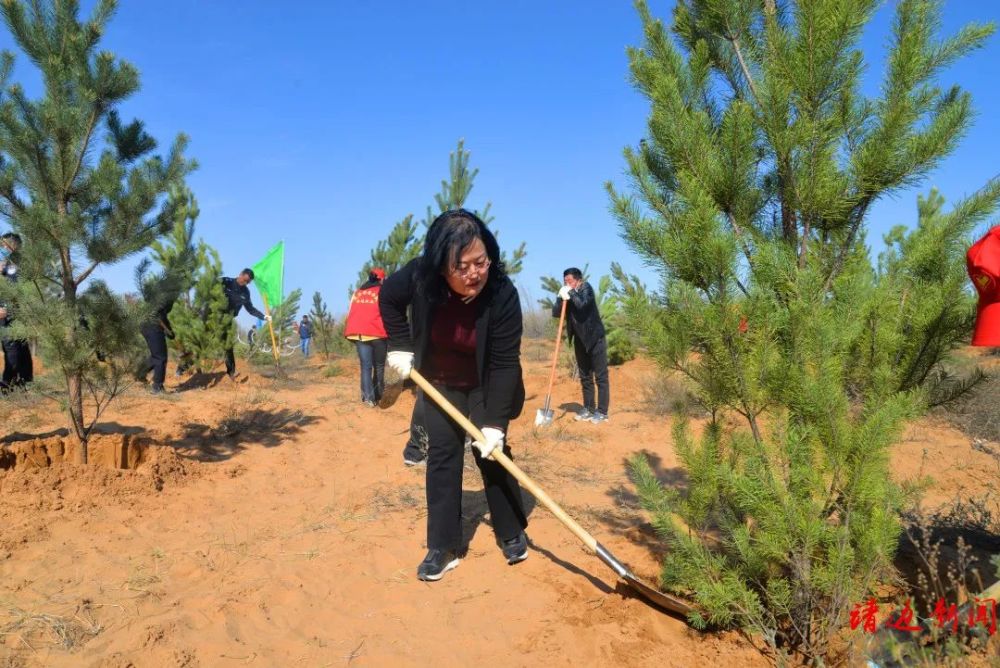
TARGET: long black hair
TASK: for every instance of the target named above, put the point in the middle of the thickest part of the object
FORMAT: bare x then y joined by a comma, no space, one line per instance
447,236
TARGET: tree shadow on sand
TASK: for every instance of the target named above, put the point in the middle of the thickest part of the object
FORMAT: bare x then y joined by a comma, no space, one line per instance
626,517
267,427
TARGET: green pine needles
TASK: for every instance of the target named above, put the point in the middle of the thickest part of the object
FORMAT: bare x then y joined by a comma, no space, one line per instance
203,326
751,198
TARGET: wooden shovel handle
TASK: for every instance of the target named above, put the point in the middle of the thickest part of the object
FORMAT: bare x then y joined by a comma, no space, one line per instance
505,461
555,355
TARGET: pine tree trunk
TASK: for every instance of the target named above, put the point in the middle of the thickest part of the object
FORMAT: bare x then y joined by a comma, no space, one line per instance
75,386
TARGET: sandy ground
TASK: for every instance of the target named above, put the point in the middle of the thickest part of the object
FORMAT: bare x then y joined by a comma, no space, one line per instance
272,523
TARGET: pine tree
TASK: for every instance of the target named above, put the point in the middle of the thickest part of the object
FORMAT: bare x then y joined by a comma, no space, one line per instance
176,255
203,326
406,240
78,202
324,326
752,193
392,253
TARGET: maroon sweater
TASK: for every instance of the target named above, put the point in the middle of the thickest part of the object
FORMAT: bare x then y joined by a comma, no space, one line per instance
451,355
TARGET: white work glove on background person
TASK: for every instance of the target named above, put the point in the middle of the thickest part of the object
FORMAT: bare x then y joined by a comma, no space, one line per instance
267,317
494,439
564,293
401,362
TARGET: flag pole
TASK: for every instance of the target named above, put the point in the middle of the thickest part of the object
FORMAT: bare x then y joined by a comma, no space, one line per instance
270,327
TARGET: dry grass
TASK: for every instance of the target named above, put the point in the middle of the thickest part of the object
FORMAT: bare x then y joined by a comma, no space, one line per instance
944,558
34,628
666,395
385,499
539,324
536,350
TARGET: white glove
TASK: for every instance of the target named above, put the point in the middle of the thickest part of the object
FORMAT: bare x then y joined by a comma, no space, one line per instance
267,317
494,439
564,293
401,362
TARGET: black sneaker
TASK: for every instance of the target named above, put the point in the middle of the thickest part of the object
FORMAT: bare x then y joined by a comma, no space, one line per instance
156,389
598,417
436,564
584,415
515,549
411,460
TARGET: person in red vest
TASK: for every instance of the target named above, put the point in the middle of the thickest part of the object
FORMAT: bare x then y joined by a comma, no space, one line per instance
983,262
364,327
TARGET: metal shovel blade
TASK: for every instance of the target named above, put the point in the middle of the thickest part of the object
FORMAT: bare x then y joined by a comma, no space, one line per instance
543,417
648,592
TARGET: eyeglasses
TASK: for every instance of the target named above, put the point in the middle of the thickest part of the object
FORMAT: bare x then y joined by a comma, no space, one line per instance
464,269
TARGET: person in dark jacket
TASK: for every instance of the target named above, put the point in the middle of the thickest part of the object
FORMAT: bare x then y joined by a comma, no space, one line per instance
590,343
305,335
18,369
239,298
156,331
463,334
364,327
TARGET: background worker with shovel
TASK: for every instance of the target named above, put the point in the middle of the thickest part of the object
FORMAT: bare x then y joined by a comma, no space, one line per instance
238,296
466,340
589,343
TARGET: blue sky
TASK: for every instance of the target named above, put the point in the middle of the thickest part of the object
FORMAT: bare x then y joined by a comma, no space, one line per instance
324,123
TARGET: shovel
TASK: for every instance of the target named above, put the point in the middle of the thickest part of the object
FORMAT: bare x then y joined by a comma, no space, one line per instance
648,592
544,415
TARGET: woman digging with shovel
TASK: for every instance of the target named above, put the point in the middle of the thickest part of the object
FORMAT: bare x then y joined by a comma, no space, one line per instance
464,336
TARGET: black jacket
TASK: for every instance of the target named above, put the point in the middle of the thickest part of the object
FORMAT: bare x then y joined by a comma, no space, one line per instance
582,317
239,297
498,338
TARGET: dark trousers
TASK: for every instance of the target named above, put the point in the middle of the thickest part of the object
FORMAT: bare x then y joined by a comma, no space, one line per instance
372,355
445,459
17,366
416,447
156,341
593,366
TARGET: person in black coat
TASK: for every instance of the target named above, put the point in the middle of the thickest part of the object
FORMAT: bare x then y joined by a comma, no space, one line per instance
463,334
156,331
239,298
590,343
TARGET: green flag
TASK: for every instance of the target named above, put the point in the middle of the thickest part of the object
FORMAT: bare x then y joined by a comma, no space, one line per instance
269,275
